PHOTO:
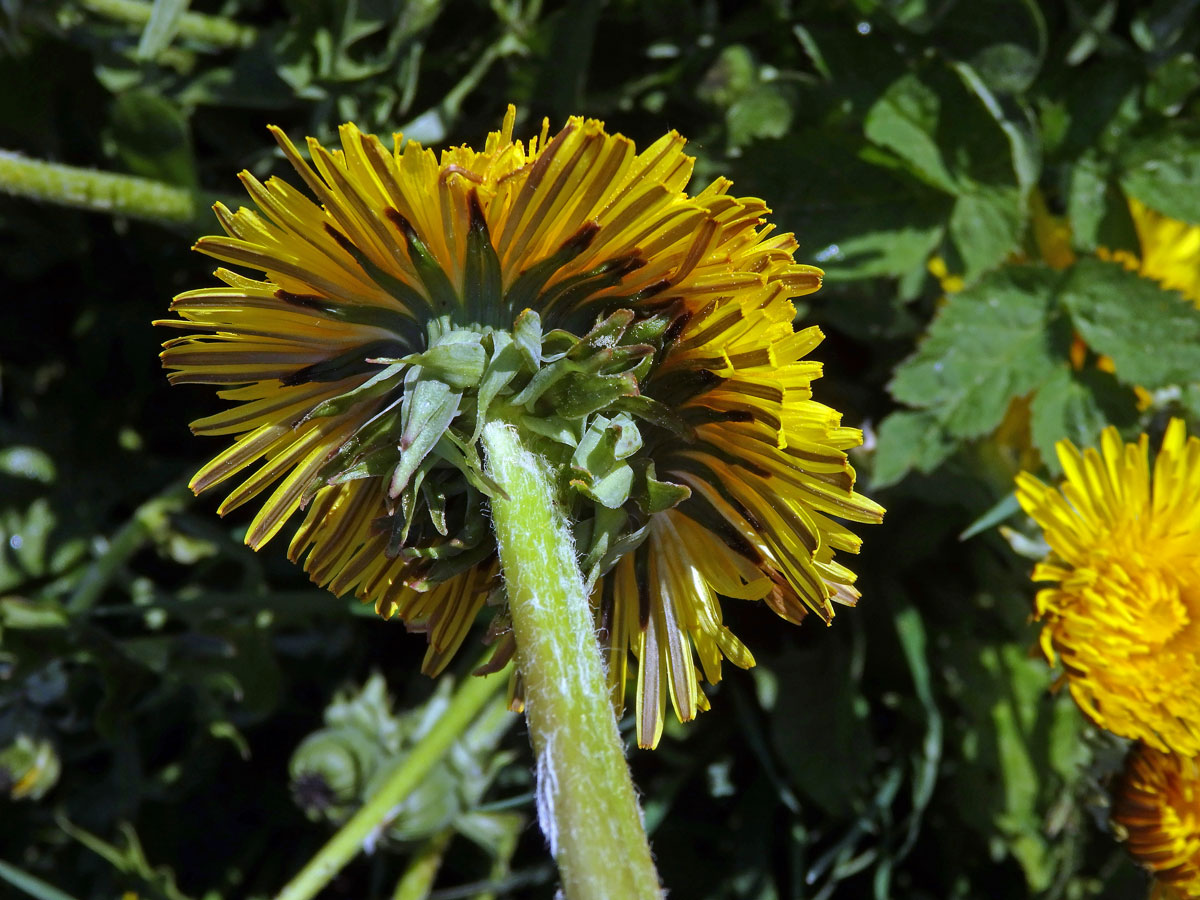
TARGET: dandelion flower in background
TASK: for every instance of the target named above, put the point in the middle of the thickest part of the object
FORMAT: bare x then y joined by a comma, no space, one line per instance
1170,251
569,286
1156,810
1122,612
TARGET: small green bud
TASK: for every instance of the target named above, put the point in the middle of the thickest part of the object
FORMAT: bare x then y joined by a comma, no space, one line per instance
29,768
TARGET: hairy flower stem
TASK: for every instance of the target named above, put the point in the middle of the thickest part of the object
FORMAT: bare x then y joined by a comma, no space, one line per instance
469,699
90,189
586,802
191,25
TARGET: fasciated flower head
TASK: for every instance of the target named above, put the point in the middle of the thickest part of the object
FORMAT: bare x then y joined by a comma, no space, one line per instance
573,286
1122,612
1156,811
766,470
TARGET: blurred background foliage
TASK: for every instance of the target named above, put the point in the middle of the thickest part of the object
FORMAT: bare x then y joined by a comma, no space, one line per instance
181,718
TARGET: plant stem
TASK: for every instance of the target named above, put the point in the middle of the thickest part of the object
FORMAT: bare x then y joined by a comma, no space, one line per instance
585,798
91,189
126,542
418,878
193,26
472,695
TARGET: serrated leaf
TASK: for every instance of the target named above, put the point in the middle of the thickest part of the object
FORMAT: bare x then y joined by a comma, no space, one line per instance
908,440
997,339
762,112
1077,406
985,227
1097,208
1162,171
1152,335
905,120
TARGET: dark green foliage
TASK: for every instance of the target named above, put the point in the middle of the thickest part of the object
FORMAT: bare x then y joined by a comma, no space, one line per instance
162,675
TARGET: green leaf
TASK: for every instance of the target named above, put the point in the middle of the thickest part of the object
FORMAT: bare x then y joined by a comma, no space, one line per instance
1002,40
1152,335
152,138
1077,406
161,28
820,728
1160,25
1172,83
428,409
566,64
854,219
1162,171
34,887
952,132
732,75
1016,123
761,112
1002,509
17,612
1022,745
459,363
598,463
985,227
27,462
1097,208
908,440
663,495
996,340
914,643
905,120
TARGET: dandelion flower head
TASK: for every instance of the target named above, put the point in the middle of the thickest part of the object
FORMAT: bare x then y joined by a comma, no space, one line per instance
1122,607
1170,250
1157,811
572,287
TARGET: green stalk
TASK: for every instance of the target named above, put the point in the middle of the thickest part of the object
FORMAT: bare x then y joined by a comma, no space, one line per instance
417,881
131,537
470,698
90,189
193,26
585,798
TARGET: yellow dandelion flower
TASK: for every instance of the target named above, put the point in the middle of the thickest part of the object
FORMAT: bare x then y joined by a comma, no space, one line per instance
1123,610
1170,251
572,284
767,470
1156,810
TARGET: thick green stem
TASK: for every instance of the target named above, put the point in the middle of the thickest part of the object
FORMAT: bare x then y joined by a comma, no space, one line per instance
422,869
472,695
585,798
193,26
106,192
